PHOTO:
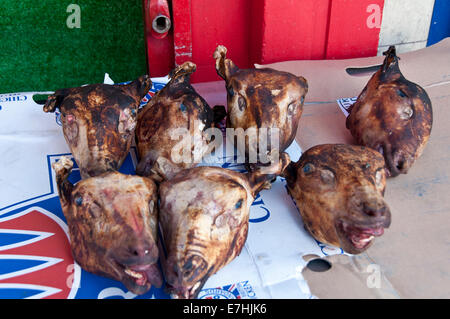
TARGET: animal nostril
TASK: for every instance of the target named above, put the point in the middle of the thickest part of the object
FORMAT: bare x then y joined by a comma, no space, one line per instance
401,162
371,212
140,251
374,210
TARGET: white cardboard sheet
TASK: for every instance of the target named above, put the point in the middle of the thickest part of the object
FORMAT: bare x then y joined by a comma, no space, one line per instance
270,265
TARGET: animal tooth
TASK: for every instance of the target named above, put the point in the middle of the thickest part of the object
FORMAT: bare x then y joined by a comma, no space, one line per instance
365,240
133,273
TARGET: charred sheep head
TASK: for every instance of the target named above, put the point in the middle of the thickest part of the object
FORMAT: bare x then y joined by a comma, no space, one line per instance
98,122
204,214
175,110
262,98
393,116
339,192
112,221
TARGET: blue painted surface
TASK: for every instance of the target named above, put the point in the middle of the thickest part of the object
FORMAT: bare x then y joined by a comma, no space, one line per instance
440,22
9,239
17,293
16,264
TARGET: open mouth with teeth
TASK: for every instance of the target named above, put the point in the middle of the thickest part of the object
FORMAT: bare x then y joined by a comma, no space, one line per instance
187,292
139,278
359,237
140,273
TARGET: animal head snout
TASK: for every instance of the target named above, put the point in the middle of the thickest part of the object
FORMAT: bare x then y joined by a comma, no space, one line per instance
375,208
401,162
367,204
397,160
144,251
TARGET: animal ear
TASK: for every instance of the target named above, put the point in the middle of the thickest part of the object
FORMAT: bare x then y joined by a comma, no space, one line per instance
391,52
62,169
305,82
279,162
53,101
180,77
260,177
225,67
390,63
142,85
187,68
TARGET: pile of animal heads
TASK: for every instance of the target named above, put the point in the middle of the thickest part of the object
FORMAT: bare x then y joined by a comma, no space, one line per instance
203,212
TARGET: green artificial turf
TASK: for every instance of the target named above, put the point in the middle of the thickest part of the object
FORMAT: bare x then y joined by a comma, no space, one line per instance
39,52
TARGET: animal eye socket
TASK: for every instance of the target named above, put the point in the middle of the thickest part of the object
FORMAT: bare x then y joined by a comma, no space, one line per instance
406,113
380,180
242,103
378,177
308,168
94,210
401,93
78,200
238,204
327,176
291,107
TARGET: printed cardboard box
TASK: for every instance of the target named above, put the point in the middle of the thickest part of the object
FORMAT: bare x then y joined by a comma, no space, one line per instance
35,257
